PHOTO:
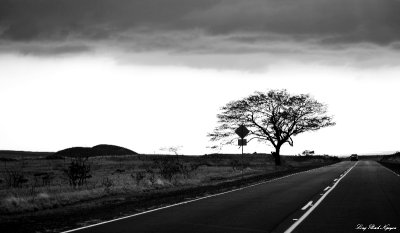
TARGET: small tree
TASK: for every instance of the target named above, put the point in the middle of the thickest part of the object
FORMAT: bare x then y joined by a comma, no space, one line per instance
15,178
275,117
308,152
78,171
172,149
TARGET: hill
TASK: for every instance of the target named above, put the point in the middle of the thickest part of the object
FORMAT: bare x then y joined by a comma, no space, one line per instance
104,149
99,150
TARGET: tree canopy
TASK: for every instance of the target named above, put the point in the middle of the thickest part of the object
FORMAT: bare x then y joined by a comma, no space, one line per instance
275,116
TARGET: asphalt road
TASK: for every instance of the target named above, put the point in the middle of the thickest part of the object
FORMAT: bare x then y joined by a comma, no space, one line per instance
367,198
337,198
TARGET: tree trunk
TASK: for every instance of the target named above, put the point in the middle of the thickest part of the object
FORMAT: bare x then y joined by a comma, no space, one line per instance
277,156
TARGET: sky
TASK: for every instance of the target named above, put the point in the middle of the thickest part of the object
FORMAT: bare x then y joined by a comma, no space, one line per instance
150,74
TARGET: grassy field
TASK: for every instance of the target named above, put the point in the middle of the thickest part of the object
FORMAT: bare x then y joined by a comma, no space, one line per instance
43,194
392,162
34,184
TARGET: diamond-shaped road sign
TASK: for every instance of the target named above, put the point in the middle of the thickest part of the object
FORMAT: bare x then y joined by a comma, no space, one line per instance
242,131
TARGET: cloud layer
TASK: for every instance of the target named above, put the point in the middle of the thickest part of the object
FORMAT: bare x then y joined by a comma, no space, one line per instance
53,27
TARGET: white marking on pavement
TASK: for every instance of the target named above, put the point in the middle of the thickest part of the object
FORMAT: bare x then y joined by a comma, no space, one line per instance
185,202
295,219
391,171
305,215
327,188
307,205
335,179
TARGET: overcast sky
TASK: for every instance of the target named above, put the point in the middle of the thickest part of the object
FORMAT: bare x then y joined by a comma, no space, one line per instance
147,74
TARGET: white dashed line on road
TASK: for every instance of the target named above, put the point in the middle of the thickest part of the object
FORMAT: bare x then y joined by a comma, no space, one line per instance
193,200
307,205
308,212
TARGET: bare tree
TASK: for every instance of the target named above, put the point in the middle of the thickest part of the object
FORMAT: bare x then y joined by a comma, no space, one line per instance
275,116
172,149
308,152
78,171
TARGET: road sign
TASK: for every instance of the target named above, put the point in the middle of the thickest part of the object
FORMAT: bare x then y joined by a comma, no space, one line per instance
242,142
242,131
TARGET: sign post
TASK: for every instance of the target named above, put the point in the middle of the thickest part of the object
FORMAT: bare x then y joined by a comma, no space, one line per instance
242,132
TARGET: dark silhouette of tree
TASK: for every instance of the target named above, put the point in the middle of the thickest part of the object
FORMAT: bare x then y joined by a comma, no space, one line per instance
275,116
78,171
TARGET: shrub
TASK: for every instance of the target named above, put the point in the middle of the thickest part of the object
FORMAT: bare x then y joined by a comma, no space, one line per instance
14,178
138,177
237,164
152,175
45,177
78,171
169,168
107,183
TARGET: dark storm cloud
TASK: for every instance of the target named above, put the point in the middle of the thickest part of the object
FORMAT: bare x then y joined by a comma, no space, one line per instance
92,19
209,26
332,21
45,49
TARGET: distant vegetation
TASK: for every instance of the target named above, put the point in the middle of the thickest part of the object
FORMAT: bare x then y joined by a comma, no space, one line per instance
274,117
9,154
86,174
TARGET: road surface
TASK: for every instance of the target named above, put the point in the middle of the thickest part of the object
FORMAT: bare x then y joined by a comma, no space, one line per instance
337,198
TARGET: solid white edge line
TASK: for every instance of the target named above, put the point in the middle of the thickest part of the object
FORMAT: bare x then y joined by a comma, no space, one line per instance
307,205
305,215
390,170
185,202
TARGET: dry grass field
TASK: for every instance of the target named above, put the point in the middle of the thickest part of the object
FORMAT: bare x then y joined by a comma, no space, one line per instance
391,161
31,184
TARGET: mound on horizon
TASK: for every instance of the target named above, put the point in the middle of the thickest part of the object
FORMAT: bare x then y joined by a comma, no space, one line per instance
105,149
98,150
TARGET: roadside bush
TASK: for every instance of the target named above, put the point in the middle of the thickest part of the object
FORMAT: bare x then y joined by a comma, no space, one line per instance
14,178
78,171
187,169
45,177
235,164
107,183
169,168
139,176
240,165
152,175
